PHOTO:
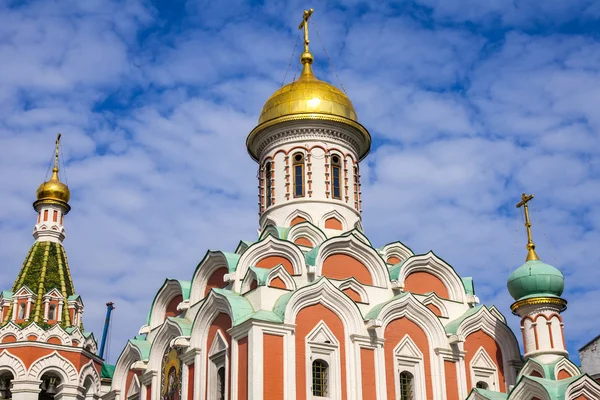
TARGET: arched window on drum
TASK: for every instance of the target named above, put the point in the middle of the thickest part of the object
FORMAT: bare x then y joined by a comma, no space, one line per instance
320,381
298,162
336,168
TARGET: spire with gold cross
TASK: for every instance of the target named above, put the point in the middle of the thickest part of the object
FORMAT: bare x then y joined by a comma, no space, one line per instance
531,254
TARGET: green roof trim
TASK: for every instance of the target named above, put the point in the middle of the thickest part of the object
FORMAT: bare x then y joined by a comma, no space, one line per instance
240,306
395,270
281,304
184,324
468,285
452,327
232,260
556,389
261,274
185,289
6,294
262,315
311,256
374,312
143,347
490,395
107,371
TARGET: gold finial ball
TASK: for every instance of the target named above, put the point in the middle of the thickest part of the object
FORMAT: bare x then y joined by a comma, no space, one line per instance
307,57
53,189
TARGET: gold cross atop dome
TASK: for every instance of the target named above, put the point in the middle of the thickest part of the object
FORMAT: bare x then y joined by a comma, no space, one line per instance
531,254
55,169
304,25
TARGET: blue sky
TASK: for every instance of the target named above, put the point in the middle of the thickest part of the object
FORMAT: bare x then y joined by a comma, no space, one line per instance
470,104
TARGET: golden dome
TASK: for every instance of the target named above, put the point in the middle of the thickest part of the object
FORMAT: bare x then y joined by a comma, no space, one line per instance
53,189
307,95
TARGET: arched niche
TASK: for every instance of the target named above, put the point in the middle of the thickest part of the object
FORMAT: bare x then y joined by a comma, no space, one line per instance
207,274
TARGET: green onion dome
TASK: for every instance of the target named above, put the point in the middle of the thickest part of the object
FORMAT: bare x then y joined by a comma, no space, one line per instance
535,279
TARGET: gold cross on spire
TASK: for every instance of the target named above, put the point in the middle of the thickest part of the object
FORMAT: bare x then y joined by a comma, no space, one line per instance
304,25
55,169
531,255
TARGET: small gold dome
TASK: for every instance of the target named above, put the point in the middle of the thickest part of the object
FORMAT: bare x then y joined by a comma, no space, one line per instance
53,189
307,95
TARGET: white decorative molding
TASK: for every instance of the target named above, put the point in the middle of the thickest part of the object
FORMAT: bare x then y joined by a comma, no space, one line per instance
269,247
280,272
456,339
214,305
334,214
530,367
396,249
432,264
321,344
301,214
566,365
353,284
134,387
168,331
484,369
353,247
584,386
56,363
128,357
88,372
528,389
169,290
408,357
57,332
212,261
325,293
433,299
306,230
12,364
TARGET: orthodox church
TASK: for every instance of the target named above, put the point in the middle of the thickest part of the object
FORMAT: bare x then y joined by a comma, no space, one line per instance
308,310
312,310
44,351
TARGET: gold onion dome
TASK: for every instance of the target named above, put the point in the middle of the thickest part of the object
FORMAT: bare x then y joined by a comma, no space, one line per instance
53,190
307,95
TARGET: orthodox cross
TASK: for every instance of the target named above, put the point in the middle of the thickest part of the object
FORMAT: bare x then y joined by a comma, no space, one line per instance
55,169
304,25
531,255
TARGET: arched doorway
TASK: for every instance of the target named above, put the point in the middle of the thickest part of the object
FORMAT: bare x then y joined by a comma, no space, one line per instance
49,387
5,385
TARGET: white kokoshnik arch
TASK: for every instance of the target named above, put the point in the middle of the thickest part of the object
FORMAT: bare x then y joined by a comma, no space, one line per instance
13,364
57,364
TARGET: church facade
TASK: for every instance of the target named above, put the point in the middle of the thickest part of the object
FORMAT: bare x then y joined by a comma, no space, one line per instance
45,353
312,310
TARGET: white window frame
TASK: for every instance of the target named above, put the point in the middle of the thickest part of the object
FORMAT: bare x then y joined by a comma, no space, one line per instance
484,369
408,357
218,357
317,348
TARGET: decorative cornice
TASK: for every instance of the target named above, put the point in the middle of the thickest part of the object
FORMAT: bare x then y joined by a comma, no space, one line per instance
562,303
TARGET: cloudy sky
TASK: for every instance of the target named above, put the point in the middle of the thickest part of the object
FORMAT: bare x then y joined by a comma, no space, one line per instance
470,104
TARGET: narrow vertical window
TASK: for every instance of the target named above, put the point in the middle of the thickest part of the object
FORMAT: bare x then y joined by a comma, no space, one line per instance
21,314
298,175
52,312
45,215
221,384
55,216
62,219
268,187
320,372
406,386
39,216
335,177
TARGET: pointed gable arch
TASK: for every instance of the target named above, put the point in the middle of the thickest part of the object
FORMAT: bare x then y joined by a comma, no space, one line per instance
408,357
279,272
435,303
566,365
306,230
298,217
322,334
134,387
135,351
352,284
214,265
396,252
325,293
218,344
11,363
370,269
436,267
163,304
11,329
162,340
270,230
277,250
483,368
88,371
532,368
56,363
34,329
218,301
406,305
584,386
528,388
334,220
57,333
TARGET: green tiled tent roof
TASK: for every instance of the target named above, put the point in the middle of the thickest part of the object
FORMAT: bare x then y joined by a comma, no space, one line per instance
44,269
